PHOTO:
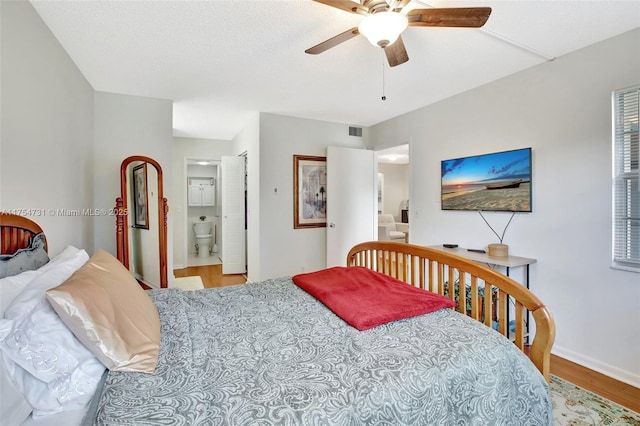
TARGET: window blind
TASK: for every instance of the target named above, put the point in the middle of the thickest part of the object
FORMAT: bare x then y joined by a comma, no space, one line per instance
626,179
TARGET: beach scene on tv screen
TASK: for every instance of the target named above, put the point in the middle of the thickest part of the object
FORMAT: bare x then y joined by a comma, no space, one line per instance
492,182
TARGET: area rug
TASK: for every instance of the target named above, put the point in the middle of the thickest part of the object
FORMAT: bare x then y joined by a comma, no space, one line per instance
574,406
189,283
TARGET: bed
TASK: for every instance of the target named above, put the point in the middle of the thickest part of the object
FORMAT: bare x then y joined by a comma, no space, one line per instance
272,353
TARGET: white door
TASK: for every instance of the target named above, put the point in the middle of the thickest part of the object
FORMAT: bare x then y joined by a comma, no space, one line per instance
351,201
233,235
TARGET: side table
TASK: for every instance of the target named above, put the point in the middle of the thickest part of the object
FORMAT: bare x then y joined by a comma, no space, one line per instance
493,261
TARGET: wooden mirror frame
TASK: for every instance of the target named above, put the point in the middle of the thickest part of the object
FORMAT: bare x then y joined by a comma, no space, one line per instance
122,218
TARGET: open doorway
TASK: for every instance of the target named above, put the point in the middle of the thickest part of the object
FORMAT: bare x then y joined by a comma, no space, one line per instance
203,184
202,212
393,178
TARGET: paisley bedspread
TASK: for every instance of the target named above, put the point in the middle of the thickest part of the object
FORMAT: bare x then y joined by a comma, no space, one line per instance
270,354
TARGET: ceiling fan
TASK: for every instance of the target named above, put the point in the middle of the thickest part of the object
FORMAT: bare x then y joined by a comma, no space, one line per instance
384,22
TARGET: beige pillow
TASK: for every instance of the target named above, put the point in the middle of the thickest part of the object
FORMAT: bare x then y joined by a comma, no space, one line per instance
107,310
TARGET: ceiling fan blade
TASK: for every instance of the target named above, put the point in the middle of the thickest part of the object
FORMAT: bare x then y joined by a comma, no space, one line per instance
396,53
333,41
471,17
346,5
397,5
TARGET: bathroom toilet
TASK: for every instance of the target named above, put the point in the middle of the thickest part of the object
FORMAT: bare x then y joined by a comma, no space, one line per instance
202,231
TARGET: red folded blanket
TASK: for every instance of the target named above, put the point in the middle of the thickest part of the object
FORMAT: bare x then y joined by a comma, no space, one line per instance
366,298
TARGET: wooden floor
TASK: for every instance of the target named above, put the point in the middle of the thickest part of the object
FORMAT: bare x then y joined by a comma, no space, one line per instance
211,276
611,389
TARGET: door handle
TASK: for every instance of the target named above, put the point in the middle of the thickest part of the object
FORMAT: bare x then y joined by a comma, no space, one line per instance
332,225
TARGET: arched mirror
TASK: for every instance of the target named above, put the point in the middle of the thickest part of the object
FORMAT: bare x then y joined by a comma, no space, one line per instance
141,221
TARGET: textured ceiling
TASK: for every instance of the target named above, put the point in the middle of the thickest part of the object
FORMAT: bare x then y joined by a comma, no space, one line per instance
223,61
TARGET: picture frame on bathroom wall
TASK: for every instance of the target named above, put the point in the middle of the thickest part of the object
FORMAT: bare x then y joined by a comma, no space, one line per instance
309,191
140,197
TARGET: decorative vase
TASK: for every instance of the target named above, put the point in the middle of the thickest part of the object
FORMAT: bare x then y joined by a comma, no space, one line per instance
498,250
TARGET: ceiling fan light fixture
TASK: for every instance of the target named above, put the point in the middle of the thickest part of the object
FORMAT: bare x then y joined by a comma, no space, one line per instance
383,28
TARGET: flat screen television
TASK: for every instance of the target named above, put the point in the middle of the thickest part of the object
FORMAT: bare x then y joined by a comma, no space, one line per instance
500,181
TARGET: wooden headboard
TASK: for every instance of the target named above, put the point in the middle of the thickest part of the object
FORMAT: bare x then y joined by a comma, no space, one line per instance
437,271
16,232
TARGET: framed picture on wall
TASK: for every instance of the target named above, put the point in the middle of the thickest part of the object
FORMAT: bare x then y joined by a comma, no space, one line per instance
140,197
309,191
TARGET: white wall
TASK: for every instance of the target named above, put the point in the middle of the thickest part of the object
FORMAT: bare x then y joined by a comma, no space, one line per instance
562,109
47,129
61,142
125,126
396,187
284,250
189,148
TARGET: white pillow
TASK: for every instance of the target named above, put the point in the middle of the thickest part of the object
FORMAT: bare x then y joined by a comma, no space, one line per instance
65,254
61,267
68,253
10,287
13,406
53,370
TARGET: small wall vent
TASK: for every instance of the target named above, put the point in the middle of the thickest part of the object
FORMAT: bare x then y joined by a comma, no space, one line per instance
355,131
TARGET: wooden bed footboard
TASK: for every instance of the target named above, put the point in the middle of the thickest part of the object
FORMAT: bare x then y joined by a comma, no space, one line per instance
443,273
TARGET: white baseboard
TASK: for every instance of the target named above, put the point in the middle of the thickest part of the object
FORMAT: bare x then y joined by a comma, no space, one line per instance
600,367
178,266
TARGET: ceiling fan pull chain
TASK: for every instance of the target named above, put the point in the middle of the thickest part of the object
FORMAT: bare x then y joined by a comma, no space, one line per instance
384,97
